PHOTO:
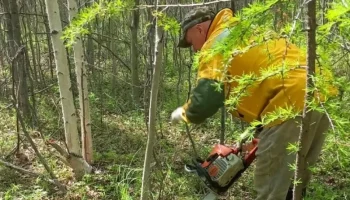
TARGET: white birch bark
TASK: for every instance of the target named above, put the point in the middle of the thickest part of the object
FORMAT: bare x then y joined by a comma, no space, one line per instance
145,189
80,70
73,157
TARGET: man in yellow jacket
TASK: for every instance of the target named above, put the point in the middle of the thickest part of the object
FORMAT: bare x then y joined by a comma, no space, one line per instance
201,30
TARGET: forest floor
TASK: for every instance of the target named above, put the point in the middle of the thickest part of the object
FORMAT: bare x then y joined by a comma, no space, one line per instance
119,145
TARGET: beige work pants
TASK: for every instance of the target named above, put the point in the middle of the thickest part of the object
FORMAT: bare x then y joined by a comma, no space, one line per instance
273,174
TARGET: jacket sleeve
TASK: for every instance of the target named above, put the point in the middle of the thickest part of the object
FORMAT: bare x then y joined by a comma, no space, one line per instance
206,98
204,102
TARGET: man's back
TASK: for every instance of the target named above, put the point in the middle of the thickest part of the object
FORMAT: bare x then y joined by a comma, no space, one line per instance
279,88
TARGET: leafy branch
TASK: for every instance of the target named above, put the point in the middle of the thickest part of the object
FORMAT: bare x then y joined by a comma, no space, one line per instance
78,26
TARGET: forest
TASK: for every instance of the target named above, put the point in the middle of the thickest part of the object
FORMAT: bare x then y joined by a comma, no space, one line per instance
88,88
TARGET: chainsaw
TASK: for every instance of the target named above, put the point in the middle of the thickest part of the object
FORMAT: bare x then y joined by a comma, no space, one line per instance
223,166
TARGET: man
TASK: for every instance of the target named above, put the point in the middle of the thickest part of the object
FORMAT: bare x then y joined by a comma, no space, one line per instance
201,30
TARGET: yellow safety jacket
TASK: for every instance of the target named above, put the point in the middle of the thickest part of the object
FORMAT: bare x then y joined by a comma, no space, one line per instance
264,96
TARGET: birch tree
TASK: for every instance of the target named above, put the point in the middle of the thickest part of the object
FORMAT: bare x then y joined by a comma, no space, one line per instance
311,59
72,156
80,71
145,190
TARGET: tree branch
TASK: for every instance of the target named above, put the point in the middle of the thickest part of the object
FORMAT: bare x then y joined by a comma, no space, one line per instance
34,14
58,148
117,57
345,47
17,168
33,174
184,5
111,38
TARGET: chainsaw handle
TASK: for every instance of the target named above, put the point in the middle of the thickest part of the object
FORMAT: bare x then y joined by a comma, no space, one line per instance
250,157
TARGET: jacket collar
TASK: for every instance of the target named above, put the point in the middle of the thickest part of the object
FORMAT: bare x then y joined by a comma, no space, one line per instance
220,18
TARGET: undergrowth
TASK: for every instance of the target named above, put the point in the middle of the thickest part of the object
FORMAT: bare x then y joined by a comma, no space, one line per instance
118,164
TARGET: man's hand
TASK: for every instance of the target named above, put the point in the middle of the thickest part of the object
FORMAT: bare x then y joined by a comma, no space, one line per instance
176,115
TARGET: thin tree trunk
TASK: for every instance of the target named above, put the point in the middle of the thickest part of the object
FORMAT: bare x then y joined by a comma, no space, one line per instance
324,10
90,50
178,65
114,73
148,68
233,6
99,74
48,40
80,70
80,167
31,73
304,129
134,55
145,190
114,47
30,41
179,62
2,51
90,46
14,43
223,123
31,84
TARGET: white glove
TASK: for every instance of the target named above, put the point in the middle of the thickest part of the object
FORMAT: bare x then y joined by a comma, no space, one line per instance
176,115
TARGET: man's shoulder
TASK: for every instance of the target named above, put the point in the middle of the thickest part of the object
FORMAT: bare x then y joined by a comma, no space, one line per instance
216,37
220,27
